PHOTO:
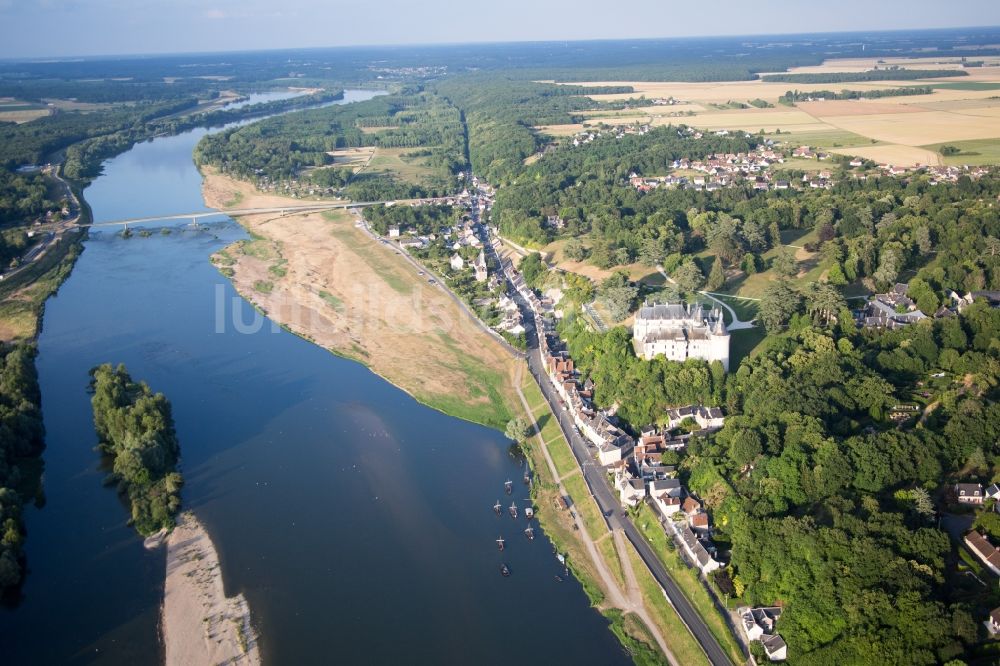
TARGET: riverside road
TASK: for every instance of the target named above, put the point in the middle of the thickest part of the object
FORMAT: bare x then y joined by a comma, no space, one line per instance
608,503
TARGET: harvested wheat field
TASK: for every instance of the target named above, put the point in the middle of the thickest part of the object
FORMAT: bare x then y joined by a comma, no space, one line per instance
916,129
894,154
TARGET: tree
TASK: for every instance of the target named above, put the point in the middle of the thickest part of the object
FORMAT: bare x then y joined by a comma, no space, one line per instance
532,269
618,295
777,305
574,250
784,264
517,429
823,300
688,276
717,276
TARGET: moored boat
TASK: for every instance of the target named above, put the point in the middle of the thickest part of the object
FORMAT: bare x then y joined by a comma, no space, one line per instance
500,543
530,533
529,512
513,510
504,570
508,486
497,507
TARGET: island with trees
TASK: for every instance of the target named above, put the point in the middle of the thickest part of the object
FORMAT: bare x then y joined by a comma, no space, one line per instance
136,430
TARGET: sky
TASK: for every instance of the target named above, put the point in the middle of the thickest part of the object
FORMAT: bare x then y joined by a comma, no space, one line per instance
58,28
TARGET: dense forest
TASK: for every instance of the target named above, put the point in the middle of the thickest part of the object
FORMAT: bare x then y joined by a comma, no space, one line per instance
22,196
136,429
501,112
818,491
282,148
21,442
885,74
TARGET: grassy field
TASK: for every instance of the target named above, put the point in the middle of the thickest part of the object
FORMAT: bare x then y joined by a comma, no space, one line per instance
585,505
981,152
23,297
966,85
685,648
395,162
744,343
687,580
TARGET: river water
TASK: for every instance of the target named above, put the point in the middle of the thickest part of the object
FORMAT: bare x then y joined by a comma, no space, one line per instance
357,522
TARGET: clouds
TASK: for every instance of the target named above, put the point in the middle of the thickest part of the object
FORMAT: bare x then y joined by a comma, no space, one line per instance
34,28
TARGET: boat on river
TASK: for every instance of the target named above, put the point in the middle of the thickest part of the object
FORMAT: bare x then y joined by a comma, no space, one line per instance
497,507
530,533
508,486
504,570
500,543
513,510
529,512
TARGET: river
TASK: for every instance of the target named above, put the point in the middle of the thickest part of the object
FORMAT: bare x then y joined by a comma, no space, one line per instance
356,521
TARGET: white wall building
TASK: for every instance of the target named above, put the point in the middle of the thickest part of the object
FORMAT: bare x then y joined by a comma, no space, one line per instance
681,332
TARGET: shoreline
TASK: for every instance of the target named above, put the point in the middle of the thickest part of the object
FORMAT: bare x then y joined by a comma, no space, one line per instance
201,625
321,278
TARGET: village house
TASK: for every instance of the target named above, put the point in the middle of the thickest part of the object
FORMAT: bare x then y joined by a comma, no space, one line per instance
631,491
969,493
695,549
758,624
457,263
394,231
774,647
993,622
984,550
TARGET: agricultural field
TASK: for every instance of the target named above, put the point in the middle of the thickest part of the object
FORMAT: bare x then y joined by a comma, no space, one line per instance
397,162
903,130
17,111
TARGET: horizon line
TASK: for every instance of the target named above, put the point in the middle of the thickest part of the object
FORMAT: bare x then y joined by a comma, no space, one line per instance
280,49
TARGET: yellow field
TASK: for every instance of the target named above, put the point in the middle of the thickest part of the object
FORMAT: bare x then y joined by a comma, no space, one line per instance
560,130
892,130
916,129
22,116
894,153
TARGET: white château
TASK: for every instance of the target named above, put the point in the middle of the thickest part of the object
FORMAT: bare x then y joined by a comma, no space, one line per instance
681,332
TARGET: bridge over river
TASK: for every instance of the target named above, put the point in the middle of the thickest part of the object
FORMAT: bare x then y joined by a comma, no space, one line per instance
239,212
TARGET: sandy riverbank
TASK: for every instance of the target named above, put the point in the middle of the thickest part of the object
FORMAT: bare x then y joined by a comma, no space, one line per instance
326,280
200,624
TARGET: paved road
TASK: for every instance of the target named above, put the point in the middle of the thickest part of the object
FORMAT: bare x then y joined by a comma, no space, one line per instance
617,519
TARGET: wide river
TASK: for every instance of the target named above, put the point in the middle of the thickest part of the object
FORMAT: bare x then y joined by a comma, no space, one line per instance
357,522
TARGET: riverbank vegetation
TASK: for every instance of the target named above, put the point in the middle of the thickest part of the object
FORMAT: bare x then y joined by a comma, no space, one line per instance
21,443
136,429
304,146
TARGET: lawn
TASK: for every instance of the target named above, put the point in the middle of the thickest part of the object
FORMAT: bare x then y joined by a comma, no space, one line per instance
610,554
679,639
744,343
687,579
585,506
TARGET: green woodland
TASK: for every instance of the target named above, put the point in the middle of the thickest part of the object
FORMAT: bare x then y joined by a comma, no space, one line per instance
21,442
136,430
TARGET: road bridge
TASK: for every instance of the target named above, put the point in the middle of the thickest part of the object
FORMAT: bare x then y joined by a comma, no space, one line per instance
291,209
